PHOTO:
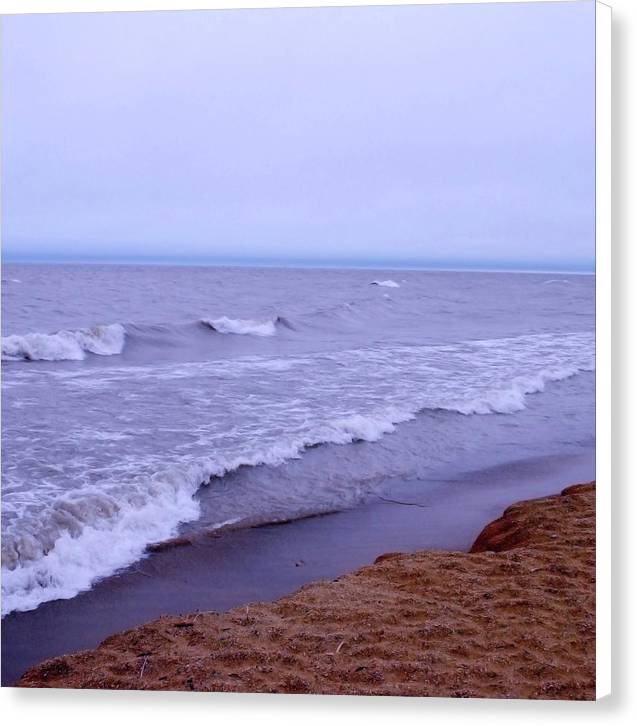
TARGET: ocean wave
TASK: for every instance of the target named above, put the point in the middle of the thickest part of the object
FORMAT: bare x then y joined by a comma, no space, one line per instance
512,398
113,339
384,283
90,534
65,344
242,327
106,340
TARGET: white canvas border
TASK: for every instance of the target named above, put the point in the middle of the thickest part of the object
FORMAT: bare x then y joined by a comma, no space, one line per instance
603,257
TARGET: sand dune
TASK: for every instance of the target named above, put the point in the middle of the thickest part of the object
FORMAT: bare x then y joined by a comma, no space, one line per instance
514,618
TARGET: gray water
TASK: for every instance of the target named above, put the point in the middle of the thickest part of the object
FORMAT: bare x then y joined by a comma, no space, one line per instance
143,402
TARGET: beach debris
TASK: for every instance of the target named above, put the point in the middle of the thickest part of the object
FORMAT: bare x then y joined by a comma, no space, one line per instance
338,649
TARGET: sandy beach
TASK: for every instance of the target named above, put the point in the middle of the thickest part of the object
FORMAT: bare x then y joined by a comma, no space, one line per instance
513,618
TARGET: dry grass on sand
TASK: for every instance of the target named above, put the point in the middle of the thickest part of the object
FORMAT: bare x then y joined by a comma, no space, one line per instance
514,618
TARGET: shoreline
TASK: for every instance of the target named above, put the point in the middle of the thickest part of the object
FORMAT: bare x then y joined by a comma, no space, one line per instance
269,562
512,618
266,563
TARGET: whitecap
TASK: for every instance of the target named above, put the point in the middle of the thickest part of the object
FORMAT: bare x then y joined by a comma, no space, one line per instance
241,327
65,344
384,283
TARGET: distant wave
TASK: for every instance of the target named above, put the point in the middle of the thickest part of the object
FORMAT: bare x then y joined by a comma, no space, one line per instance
241,327
111,339
384,283
65,344
233,326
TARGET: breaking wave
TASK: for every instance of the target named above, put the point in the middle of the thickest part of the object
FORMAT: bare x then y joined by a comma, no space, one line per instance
384,283
65,344
244,327
89,534
512,398
69,345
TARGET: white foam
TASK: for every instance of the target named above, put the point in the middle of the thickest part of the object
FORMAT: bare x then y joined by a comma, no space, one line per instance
114,535
368,428
91,533
66,344
512,398
385,283
242,327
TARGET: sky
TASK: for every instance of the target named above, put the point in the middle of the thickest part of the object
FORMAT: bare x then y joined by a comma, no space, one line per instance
433,136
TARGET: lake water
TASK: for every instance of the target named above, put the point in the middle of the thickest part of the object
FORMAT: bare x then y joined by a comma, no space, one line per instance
144,402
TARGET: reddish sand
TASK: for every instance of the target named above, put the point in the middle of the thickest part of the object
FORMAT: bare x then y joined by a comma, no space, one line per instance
514,618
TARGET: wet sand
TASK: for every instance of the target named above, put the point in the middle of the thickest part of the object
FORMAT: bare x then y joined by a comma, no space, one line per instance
266,563
514,618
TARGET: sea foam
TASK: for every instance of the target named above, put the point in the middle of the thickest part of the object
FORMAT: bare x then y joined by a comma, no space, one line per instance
89,534
65,344
241,327
384,283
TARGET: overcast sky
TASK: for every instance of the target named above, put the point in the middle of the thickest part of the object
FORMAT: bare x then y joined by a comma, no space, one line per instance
435,135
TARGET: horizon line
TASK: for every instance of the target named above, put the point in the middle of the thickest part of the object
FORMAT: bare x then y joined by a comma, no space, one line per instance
564,269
